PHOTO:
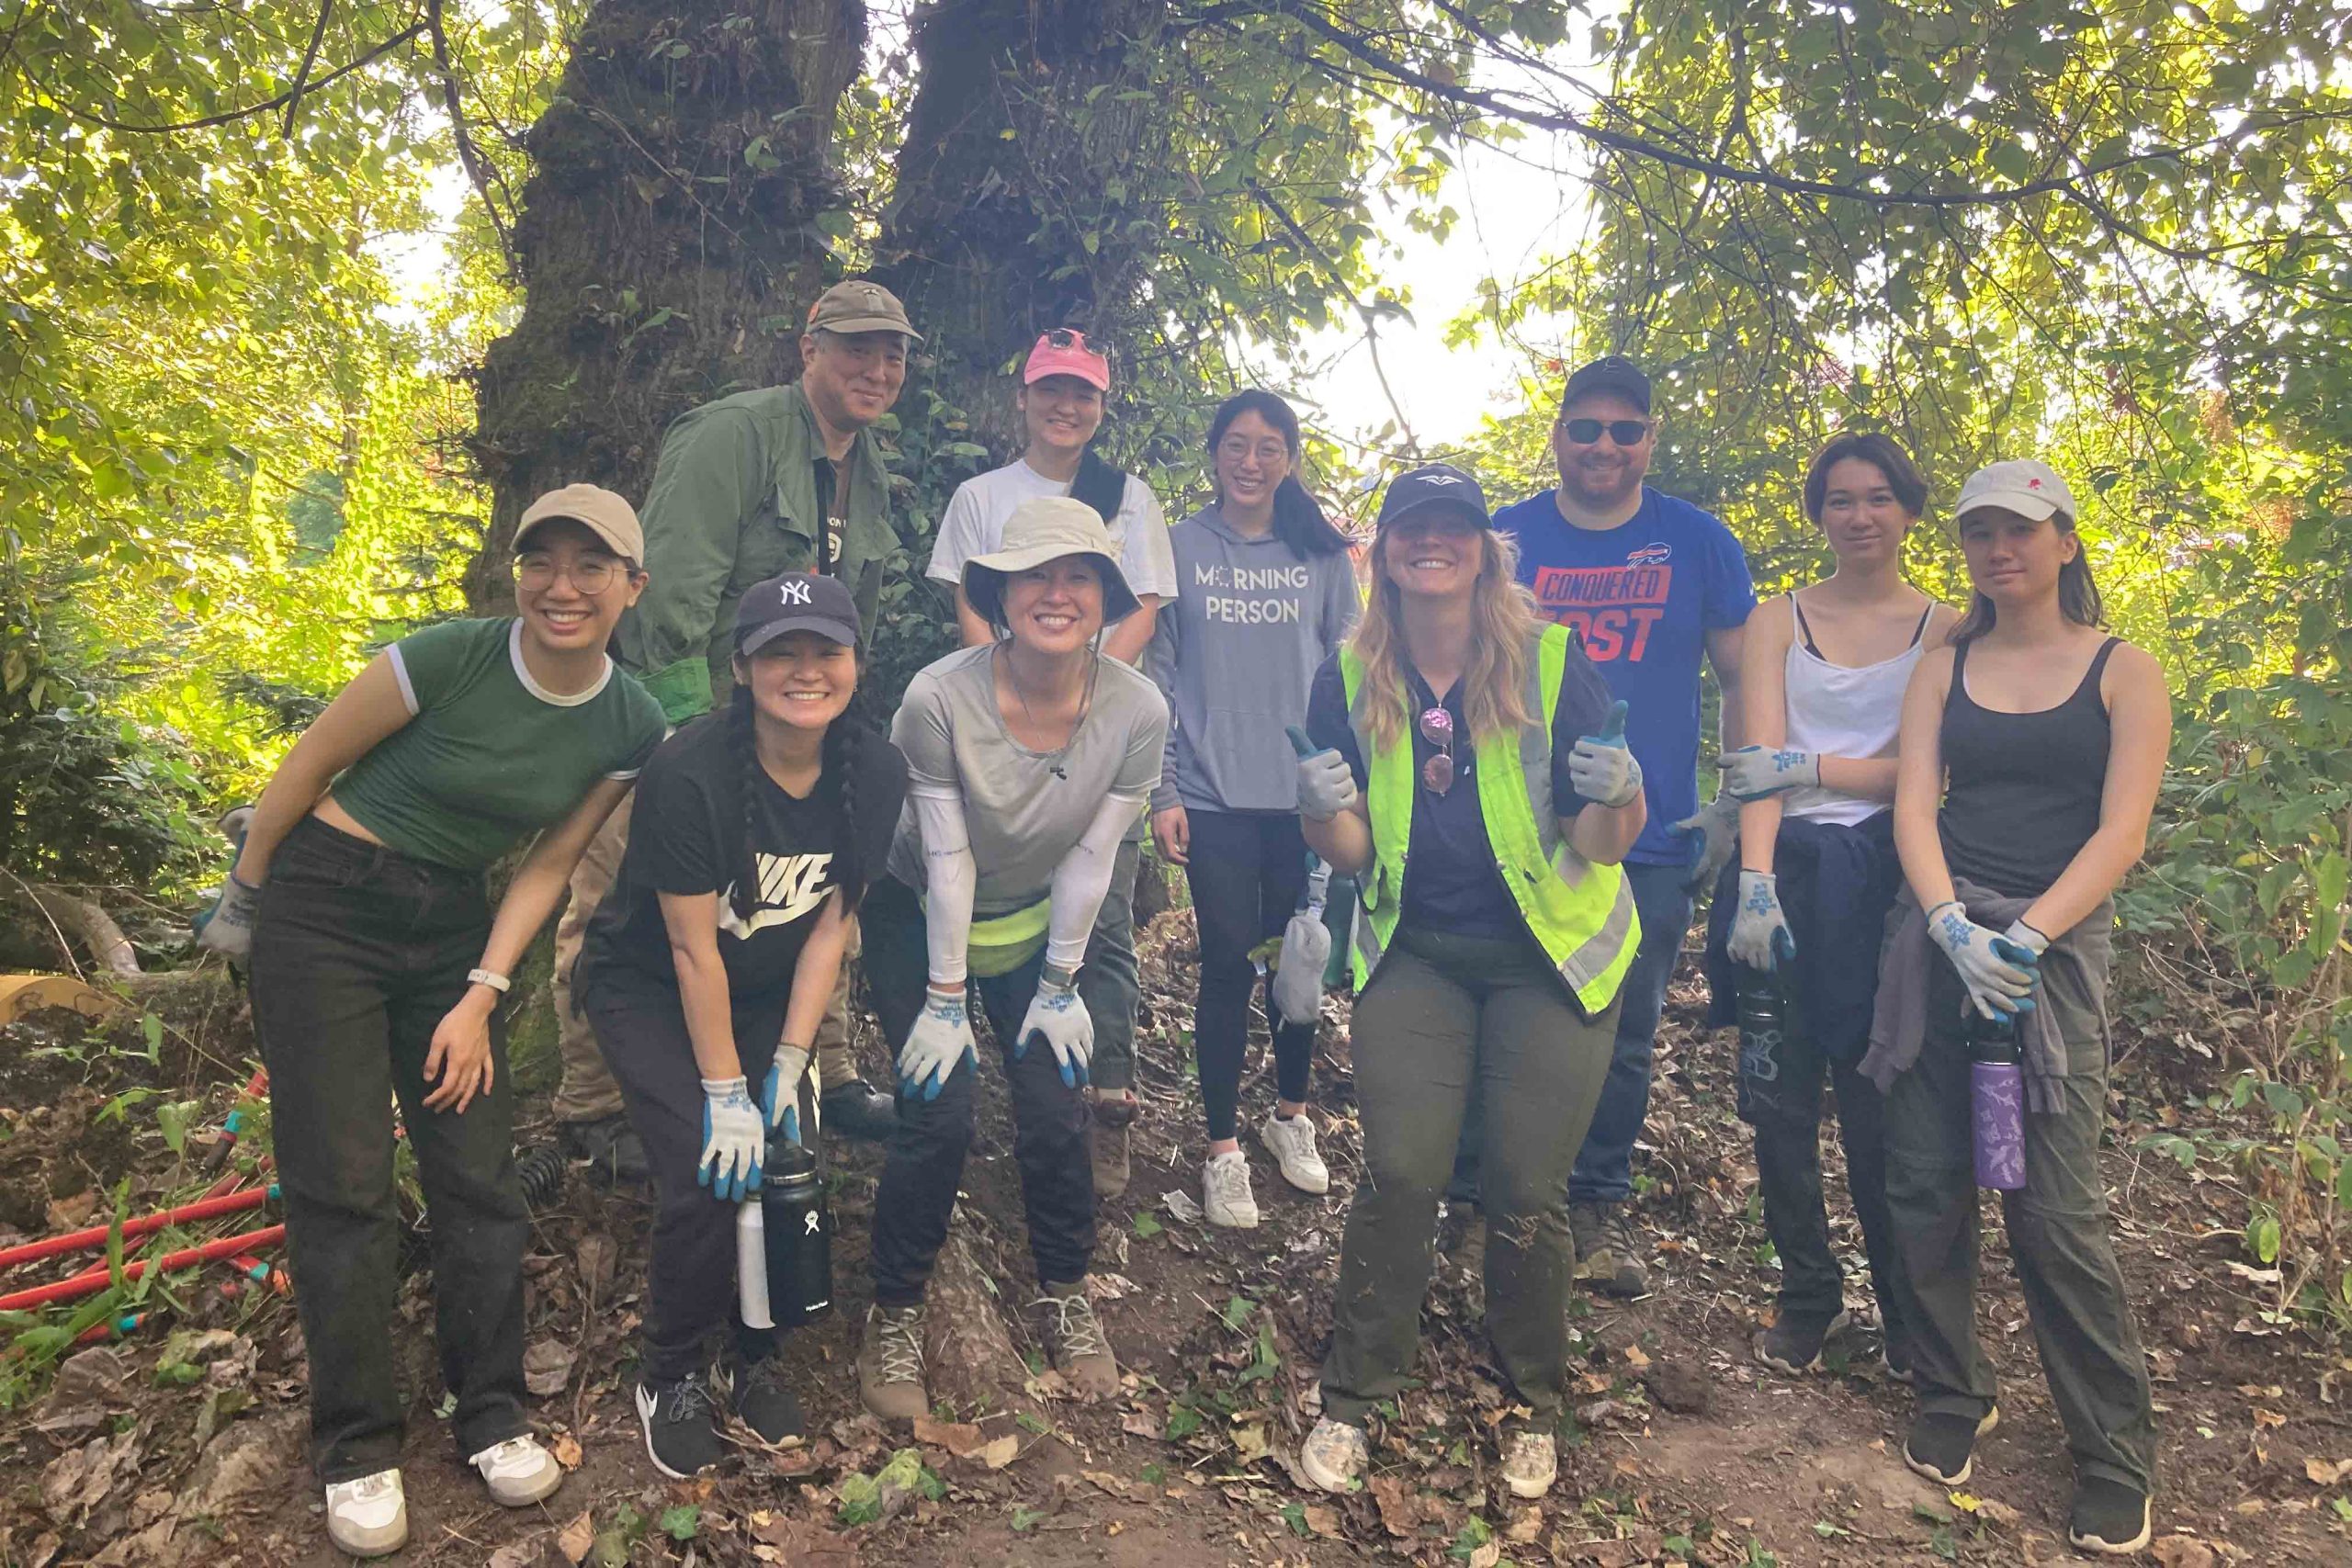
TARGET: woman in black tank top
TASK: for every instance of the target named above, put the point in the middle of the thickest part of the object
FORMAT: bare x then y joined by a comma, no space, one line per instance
2030,755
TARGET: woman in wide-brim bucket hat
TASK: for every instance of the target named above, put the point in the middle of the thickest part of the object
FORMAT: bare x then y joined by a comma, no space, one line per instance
1045,530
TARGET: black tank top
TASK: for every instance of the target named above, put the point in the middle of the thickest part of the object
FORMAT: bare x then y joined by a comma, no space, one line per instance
2022,790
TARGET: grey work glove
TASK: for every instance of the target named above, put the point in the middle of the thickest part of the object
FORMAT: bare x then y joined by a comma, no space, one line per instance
227,927
1715,830
1761,937
1602,766
1057,1015
1753,772
1998,972
1327,786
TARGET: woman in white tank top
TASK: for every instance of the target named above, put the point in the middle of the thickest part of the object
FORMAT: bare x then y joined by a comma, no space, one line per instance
1825,667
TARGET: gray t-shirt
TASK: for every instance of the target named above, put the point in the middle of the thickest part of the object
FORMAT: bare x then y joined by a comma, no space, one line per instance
1024,810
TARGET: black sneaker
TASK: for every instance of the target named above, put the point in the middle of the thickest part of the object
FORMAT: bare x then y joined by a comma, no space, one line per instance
616,1157
681,1426
1942,1447
1793,1345
766,1402
858,1110
2108,1518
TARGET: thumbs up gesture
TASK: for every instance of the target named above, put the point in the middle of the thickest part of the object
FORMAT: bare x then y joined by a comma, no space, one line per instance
1602,767
1326,785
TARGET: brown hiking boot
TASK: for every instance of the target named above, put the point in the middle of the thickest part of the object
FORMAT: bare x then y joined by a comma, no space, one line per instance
1109,1114
1608,1257
1074,1337
889,1364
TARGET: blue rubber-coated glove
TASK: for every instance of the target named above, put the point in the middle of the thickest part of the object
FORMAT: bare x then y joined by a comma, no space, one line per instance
1998,972
1602,766
780,1092
1761,937
1327,786
731,1135
1713,833
939,1043
1752,771
1058,1014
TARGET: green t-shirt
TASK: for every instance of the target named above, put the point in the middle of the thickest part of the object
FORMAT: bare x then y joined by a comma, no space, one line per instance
489,755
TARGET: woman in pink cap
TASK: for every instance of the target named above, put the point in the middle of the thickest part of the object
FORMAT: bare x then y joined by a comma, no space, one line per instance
1063,384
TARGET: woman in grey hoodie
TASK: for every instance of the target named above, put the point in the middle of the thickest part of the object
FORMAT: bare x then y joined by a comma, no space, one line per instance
1265,593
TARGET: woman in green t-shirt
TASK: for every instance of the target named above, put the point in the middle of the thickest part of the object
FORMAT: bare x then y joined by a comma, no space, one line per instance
377,965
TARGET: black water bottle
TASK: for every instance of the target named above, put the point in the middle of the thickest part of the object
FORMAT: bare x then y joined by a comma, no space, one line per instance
1763,1028
798,1232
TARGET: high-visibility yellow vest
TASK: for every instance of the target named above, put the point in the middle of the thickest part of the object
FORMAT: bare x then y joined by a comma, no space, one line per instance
1581,913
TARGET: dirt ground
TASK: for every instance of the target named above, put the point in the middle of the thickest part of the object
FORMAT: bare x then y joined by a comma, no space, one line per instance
184,1442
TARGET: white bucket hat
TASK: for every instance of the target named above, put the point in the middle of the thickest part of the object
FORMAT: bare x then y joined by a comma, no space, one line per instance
1045,528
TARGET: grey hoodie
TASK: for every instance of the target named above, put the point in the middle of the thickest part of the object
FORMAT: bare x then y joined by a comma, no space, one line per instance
1234,655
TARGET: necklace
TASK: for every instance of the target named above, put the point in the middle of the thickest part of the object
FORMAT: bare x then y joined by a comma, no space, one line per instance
1053,759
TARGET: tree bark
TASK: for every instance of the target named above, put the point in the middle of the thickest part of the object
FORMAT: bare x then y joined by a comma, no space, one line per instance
668,239
1003,182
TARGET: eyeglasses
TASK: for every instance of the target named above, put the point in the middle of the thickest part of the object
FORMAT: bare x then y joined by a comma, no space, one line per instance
1066,337
591,574
1437,728
1624,432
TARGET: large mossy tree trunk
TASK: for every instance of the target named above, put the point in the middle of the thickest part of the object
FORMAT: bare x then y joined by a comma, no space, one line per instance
1008,214
668,239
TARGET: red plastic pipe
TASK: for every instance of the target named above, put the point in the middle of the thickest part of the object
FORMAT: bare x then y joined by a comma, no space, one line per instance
82,1240
96,1279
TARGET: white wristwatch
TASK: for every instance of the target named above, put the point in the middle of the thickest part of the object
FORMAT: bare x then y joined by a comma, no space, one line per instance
491,978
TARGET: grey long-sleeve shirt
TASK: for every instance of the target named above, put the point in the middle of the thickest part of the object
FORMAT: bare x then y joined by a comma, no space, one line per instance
1236,655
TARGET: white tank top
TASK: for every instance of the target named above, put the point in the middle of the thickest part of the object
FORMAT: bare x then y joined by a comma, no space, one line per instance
1839,712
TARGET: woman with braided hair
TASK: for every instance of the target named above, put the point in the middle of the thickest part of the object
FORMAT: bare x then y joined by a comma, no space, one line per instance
706,968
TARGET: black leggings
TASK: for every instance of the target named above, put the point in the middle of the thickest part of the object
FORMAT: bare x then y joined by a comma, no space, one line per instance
1247,870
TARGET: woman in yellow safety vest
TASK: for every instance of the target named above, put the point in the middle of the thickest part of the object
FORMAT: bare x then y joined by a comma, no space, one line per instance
1466,765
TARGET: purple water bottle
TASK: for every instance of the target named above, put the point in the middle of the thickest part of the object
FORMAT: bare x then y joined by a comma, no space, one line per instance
1997,1097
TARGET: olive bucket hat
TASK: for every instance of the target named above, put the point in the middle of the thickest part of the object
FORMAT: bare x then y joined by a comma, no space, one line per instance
1045,528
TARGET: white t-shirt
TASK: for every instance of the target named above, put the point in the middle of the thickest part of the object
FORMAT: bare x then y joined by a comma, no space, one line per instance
974,526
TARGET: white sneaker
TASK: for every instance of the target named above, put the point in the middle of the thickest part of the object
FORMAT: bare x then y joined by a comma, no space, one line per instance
1224,1192
368,1518
1334,1455
519,1472
1291,1140
1533,1463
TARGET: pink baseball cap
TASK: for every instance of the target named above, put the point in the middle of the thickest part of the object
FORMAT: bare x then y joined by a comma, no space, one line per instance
1063,352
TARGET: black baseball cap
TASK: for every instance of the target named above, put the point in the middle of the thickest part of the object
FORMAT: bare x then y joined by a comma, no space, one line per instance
1433,484
1610,373
795,602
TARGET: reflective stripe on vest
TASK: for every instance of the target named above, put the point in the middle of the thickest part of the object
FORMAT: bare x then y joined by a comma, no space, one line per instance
1582,914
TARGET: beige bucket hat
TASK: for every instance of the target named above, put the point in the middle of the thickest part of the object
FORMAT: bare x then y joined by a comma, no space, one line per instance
1045,528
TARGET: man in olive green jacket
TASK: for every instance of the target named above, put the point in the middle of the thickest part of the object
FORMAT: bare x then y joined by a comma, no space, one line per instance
780,478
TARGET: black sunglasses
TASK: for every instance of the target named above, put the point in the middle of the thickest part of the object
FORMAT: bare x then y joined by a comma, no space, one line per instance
1624,432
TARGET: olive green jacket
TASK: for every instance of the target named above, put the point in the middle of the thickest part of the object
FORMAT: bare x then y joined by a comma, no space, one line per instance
733,502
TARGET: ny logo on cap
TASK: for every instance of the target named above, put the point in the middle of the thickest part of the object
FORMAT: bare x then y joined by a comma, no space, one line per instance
793,592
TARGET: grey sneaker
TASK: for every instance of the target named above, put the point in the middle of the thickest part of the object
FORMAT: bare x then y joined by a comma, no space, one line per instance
1608,1255
1334,1455
1532,1463
889,1364
369,1516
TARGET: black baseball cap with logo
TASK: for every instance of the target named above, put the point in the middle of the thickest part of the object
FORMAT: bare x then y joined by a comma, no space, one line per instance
795,602
1434,484
1610,373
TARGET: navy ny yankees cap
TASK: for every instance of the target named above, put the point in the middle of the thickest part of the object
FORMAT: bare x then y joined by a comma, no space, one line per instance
1433,484
795,602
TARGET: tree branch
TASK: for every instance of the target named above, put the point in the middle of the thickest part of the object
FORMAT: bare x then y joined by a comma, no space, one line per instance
452,103
302,72
228,117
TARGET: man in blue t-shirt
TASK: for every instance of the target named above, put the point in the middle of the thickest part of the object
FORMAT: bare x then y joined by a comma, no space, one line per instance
1650,583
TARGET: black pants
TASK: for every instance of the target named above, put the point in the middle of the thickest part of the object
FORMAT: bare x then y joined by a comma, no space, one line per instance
641,1028
916,1196
1248,872
1780,1097
358,954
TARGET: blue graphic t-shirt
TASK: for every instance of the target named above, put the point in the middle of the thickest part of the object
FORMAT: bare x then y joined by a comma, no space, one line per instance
1642,597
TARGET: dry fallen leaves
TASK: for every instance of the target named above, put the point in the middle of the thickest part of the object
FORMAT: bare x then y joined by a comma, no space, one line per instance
2181,1551
567,1450
574,1539
2327,1472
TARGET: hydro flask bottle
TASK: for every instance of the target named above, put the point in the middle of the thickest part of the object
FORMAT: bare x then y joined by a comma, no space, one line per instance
797,1233
1763,1026
1997,1097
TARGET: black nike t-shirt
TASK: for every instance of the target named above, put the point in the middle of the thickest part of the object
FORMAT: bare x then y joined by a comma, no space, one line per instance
686,835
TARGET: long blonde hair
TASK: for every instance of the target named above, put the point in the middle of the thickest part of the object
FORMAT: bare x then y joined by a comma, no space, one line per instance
1502,624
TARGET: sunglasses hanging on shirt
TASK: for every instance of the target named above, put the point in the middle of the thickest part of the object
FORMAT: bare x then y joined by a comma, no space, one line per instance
1437,728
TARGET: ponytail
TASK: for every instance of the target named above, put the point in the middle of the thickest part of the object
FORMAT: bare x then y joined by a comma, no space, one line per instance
1100,486
741,741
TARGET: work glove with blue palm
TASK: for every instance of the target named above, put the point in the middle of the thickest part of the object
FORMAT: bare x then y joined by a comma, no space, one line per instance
1601,767
1327,785
1713,833
1761,937
1753,772
780,1090
940,1042
1057,1015
732,1132
1997,968
226,927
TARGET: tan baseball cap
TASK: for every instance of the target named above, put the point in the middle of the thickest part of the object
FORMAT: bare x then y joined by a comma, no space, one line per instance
594,508
855,305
